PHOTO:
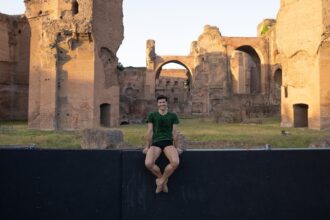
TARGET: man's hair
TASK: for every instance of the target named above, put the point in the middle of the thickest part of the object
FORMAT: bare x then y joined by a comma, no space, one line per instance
161,97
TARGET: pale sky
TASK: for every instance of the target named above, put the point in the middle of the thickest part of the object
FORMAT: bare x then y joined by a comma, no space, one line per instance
174,24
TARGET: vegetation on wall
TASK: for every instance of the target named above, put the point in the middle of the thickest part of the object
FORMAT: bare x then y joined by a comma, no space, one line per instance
120,66
265,29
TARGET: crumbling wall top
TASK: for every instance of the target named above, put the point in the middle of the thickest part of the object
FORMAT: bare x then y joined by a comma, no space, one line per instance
210,40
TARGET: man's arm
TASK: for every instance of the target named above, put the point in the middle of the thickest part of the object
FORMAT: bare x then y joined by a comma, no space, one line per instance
175,136
174,132
148,138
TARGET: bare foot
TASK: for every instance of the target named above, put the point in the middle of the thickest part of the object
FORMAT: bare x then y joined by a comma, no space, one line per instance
165,187
159,184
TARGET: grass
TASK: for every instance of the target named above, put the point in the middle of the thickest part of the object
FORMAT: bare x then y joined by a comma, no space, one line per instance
17,133
205,130
194,129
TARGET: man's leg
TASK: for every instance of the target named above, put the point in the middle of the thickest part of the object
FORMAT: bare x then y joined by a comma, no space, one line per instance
150,161
173,156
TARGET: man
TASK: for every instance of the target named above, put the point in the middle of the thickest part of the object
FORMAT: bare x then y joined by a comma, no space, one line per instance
160,134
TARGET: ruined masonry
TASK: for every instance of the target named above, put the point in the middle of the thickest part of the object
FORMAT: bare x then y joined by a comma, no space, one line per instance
14,67
284,69
73,81
59,69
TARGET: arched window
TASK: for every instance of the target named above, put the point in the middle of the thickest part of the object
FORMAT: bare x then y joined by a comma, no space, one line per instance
255,72
278,77
75,7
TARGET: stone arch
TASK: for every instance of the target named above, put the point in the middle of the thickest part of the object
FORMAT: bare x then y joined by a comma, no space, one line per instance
176,87
159,69
277,84
105,114
74,7
300,115
240,72
278,77
255,75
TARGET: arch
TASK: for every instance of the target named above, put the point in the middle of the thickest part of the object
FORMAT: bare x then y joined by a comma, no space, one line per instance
300,115
105,116
255,77
174,85
277,85
74,7
278,77
253,51
159,68
189,74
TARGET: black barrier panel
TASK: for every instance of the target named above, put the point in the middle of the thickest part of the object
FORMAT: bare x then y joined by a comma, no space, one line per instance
227,185
18,184
73,184
300,184
60,184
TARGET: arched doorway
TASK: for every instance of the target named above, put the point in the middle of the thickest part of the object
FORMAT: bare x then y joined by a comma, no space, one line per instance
173,79
254,70
105,109
278,77
277,85
300,115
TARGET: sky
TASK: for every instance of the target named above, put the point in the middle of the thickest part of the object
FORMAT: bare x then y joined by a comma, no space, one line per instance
174,24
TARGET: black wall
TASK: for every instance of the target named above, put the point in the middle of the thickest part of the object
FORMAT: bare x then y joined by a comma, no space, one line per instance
111,184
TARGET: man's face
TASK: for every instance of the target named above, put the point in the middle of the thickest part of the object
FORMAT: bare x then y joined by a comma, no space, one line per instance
162,104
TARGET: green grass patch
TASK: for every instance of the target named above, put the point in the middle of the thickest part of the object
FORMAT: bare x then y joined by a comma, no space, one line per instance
194,129
17,133
206,130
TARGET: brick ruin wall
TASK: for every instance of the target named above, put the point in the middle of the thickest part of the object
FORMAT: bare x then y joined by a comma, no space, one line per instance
61,81
75,85
325,67
302,40
133,105
14,67
225,77
78,76
175,84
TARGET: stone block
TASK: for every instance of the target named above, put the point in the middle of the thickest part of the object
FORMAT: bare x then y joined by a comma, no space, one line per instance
101,139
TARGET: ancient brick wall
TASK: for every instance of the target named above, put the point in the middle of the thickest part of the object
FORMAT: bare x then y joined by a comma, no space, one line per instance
73,74
225,72
61,65
302,39
108,33
134,107
14,67
324,62
74,82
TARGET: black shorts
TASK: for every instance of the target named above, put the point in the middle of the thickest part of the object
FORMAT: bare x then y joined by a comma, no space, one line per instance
162,144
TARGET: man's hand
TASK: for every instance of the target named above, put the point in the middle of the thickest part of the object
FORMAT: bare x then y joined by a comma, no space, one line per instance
145,150
179,150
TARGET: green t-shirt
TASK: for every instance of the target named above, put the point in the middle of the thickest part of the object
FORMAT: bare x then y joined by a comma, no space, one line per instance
162,125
